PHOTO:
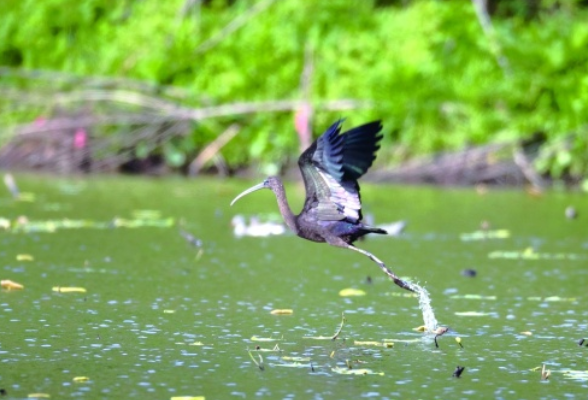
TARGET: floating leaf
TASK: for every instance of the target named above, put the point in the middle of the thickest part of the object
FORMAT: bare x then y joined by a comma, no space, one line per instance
260,339
527,333
188,398
71,289
421,328
318,337
472,313
530,254
291,365
373,343
458,340
367,343
415,340
553,299
137,223
285,311
81,379
10,285
360,371
24,257
51,226
483,235
351,292
576,375
472,297
297,359
38,396
557,298
169,311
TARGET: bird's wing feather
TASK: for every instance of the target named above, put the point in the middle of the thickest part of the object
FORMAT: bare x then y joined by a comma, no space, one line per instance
331,166
359,149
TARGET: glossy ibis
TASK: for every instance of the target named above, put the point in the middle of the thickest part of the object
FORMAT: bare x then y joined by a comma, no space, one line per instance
330,168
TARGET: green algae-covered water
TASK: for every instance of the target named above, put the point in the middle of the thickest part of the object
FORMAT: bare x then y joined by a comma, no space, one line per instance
138,288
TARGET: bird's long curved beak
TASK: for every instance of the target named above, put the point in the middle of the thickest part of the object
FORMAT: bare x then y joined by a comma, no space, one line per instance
260,186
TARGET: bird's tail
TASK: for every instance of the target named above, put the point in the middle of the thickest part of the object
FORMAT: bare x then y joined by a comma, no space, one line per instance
371,229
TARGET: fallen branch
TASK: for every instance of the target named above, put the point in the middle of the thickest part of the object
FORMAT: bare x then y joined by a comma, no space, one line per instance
174,113
212,149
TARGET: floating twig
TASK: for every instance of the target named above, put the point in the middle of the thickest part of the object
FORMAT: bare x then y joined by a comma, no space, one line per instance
545,373
193,240
343,320
258,363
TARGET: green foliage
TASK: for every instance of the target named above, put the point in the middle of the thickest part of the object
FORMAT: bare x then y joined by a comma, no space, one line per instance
431,73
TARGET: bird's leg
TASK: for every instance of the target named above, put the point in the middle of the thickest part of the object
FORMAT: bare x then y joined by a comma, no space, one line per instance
387,271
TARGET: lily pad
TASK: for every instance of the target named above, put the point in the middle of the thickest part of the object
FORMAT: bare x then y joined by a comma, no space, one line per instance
351,292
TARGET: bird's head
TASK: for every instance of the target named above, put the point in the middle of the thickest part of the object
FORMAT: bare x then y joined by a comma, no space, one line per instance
268,183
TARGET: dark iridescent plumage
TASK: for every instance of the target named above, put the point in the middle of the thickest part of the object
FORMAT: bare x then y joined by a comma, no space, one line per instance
330,168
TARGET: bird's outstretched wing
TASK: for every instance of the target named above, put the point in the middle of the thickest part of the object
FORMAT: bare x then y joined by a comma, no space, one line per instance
331,167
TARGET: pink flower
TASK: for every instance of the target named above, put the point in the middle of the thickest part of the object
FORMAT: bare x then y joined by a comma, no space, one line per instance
80,139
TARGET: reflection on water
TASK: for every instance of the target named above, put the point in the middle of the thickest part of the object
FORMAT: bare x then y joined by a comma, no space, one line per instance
161,317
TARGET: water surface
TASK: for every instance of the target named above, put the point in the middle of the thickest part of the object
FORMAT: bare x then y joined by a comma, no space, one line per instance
162,317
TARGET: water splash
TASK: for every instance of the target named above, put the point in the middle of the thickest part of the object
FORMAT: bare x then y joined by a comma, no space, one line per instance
429,319
424,299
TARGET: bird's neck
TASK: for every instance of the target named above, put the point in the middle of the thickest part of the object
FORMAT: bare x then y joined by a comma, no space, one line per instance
287,214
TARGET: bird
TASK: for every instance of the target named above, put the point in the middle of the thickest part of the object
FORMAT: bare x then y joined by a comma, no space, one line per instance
330,168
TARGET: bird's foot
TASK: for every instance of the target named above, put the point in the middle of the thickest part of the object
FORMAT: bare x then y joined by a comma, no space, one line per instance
404,285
